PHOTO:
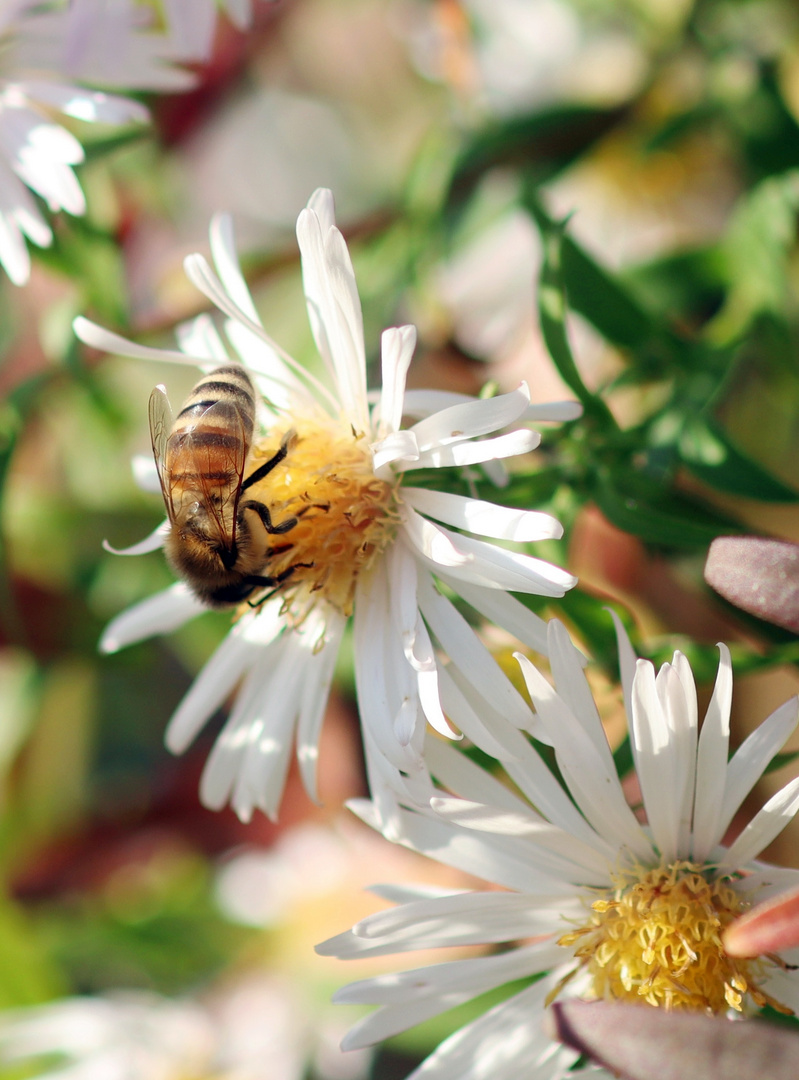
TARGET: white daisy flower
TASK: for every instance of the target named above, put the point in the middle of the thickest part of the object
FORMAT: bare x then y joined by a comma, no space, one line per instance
367,542
587,901
46,47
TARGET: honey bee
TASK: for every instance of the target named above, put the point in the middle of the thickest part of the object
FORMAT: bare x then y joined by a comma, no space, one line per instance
213,541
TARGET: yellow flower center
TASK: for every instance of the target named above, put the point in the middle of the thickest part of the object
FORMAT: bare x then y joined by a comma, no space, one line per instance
656,937
345,515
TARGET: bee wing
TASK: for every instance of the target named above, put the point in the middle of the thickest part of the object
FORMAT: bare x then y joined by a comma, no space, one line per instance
218,443
161,422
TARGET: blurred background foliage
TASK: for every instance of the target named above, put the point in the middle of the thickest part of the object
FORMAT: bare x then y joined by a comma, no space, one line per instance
597,196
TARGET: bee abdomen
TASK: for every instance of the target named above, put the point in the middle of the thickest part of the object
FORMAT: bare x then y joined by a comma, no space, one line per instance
229,391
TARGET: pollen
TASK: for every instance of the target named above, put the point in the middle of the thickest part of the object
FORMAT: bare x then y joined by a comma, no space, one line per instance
345,516
656,938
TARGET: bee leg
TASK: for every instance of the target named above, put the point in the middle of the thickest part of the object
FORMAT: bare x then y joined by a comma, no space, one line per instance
266,518
258,579
266,468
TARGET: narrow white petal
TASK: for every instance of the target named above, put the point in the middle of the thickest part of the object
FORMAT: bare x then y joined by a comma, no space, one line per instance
655,759
752,757
465,649
497,738
159,614
223,249
92,334
471,420
150,543
686,733
475,451
594,786
580,861
485,518
497,862
627,662
458,773
435,543
764,826
501,1044
496,568
198,338
567,664
399,446
424,662
466,918
244,646
711,761
315,695
440,987
397,345
208,692
506,611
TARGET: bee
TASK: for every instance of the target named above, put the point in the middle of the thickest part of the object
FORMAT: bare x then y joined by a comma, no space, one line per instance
213,541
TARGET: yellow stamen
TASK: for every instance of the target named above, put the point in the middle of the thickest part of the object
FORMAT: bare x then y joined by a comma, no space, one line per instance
656,937
345,515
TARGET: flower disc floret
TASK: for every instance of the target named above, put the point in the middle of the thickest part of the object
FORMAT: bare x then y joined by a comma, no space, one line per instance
346,516
656,936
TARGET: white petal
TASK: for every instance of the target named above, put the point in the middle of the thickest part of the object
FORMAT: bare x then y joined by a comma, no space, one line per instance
567,670
594,786
711,761
315,696
397,345
506,611
627,662
246,644
465,918
503,1043
752,757
580,861
498,739
400,446
223,249
150,543
495,862
465,649
437,989
92,334
436,544
475,451
159,614
495,567
198,338
485,518
655,759
470,420
761,830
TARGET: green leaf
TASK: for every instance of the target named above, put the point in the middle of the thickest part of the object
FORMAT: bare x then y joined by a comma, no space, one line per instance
542,142
552,316
640,508
710,455
603,299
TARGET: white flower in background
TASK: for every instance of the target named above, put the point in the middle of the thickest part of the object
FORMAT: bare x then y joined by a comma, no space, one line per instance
46,49
256,1027
125,1037
367,543
508,56
597,904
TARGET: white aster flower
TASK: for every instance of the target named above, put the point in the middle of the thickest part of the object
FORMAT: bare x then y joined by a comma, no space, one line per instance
256,1027
46,48
368,542
590,902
